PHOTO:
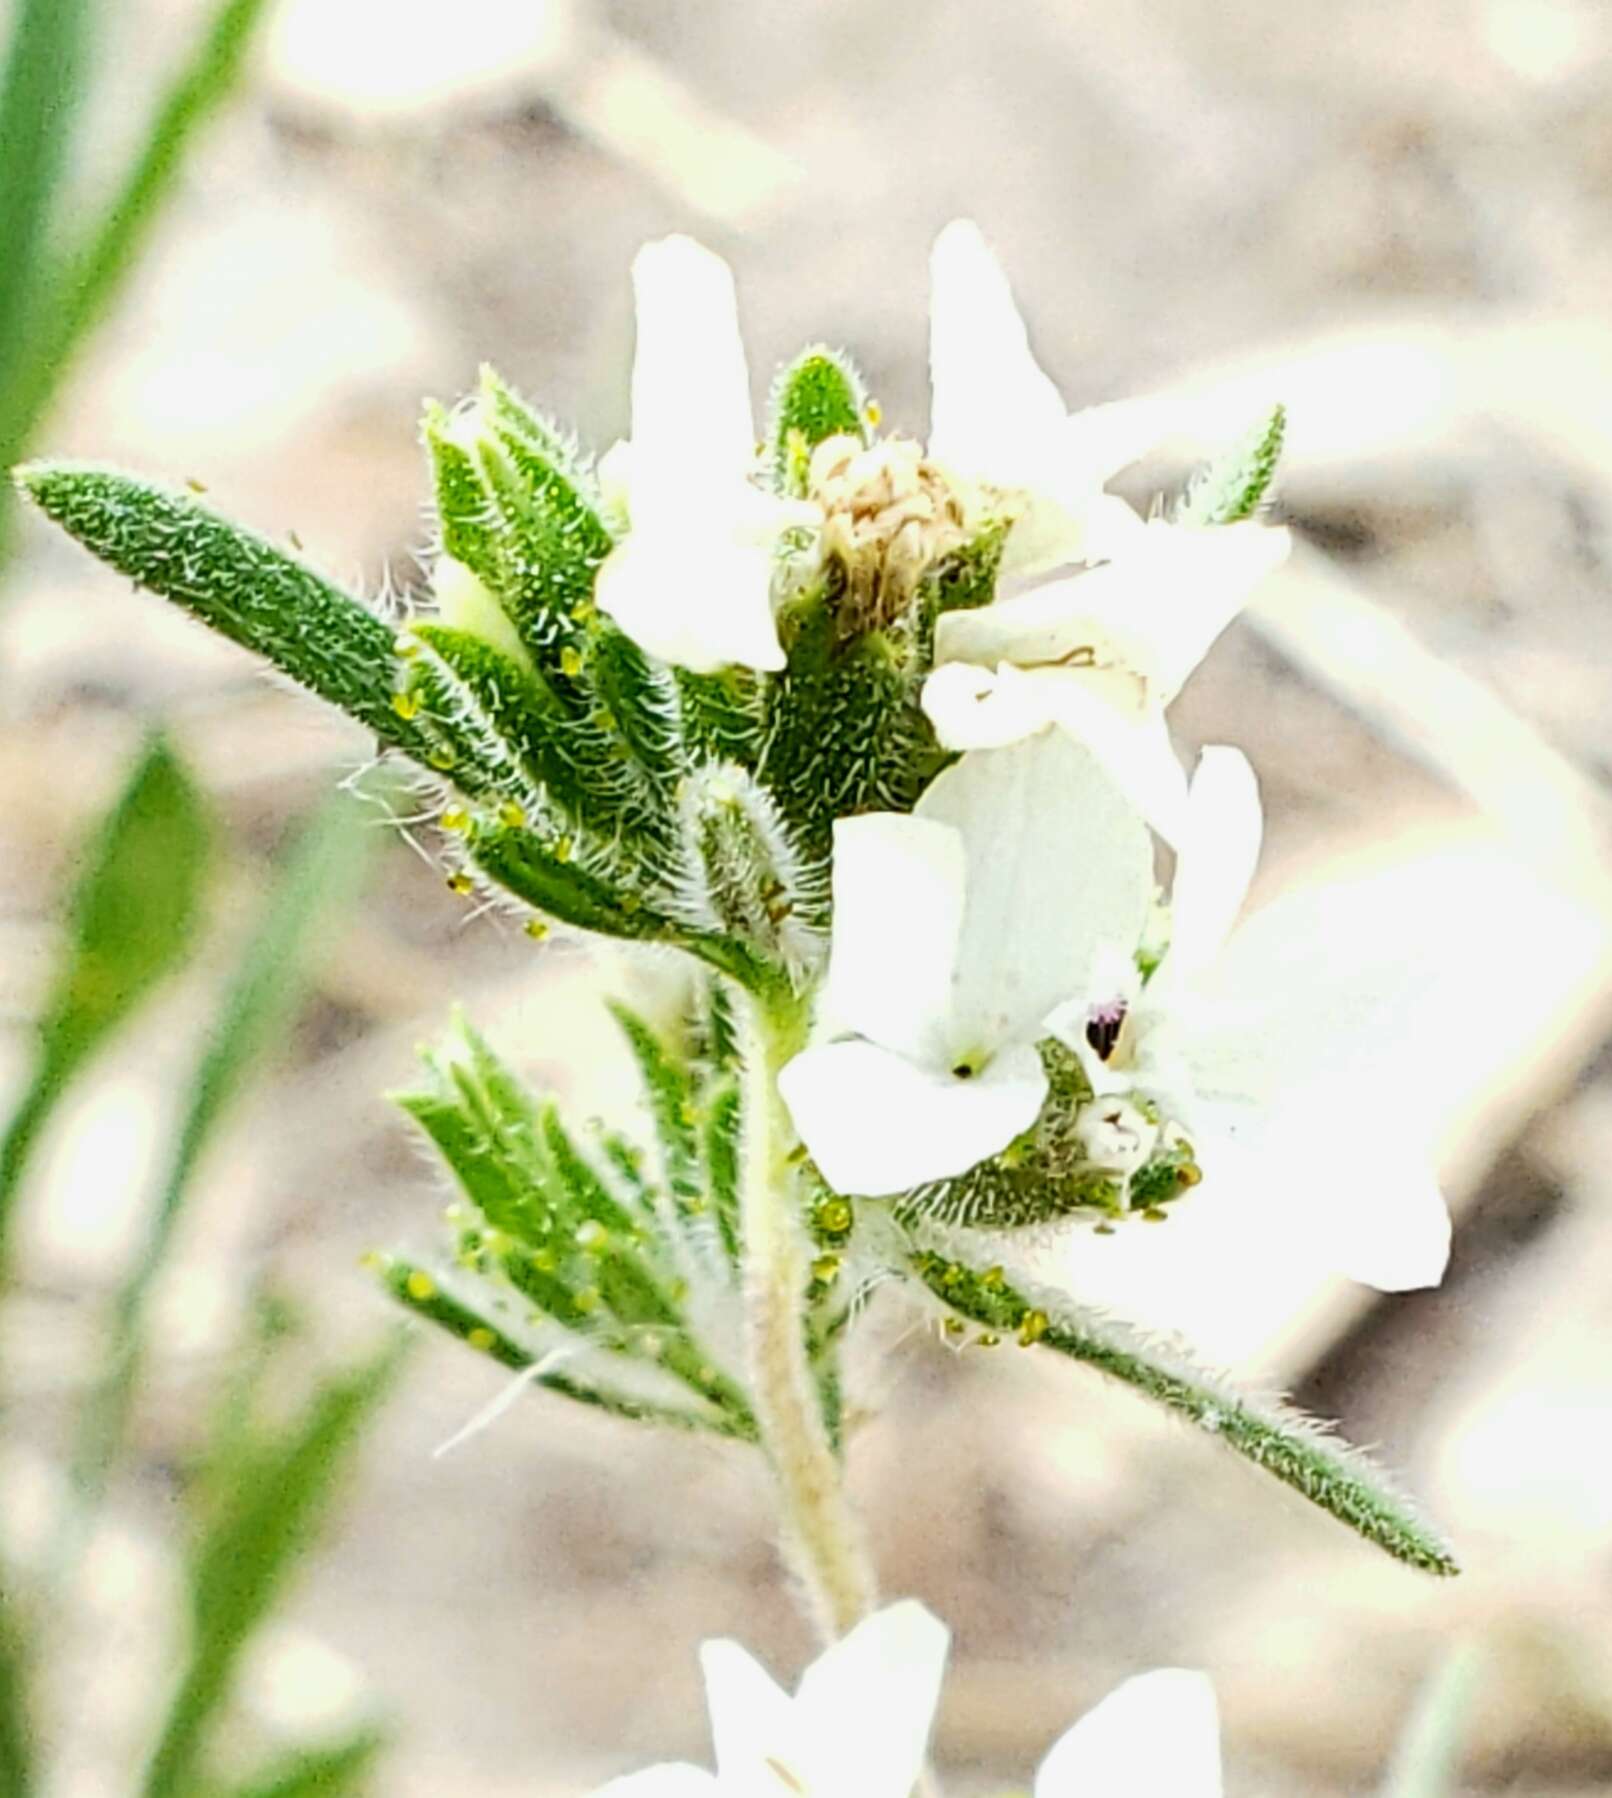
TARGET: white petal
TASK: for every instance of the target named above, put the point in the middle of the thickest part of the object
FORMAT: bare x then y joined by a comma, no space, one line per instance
1215,863
700,601
1370,1204
1101,440
1131,742
1044,626
867,1703
753,1719
972,708
1167,595
1059,864
691,419
673,1779
876,1123
898,917
1156,1736
464,603
993,409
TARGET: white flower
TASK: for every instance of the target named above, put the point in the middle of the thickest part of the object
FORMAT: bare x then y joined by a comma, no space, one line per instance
1155,1736
1330,1160
1099,653
1102,652
997,418
692,580
957,931
858,1727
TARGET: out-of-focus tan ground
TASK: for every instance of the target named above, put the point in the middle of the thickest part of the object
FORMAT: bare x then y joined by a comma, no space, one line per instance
1399,219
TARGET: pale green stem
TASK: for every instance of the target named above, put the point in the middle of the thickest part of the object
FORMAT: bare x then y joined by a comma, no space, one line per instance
821,1537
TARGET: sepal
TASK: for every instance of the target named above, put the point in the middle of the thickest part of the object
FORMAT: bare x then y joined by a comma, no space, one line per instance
1057,1169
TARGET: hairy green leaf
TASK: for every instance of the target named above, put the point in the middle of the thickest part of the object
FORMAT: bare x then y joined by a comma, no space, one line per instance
419,1291
1231,488
817,396
1273,1436
233,580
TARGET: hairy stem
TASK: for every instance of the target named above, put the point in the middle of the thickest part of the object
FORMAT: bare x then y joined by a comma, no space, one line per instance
821,1537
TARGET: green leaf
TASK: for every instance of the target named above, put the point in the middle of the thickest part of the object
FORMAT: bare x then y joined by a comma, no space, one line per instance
42,86
673,1102
316,1772
84,287
419,1291
322,875
131,923
1427,1759
1283,1441
817,396
1231,488
511,735
756,883
275,1505
242,586
547,877
16,1729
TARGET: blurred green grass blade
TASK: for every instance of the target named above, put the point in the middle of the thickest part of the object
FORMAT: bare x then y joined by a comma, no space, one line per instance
84,287
1427,1758
324,872
16,1750
236,582
131,923
274,1503
39,94
317,1772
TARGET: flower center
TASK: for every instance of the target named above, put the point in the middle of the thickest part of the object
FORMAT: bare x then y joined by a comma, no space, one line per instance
1103,1025
888,514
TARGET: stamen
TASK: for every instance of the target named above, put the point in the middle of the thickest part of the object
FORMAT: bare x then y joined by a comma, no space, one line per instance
1103,1025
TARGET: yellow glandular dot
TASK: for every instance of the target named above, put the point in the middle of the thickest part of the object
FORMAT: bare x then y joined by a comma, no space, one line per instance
420,1286
511,815
460,882
455,820
406,705
570,662
835,1216
481,1338
1033,1326
536,929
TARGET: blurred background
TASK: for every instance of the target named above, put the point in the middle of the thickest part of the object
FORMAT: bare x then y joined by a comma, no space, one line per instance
1395,218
